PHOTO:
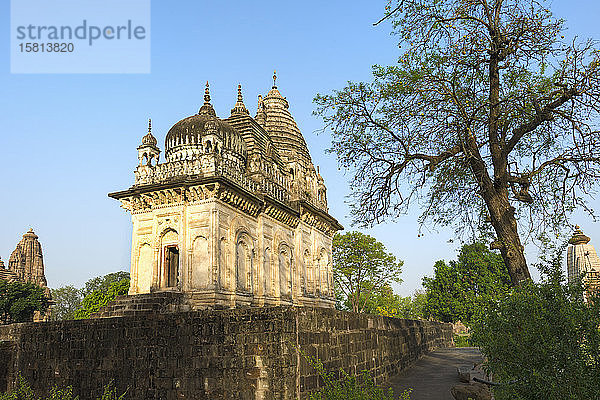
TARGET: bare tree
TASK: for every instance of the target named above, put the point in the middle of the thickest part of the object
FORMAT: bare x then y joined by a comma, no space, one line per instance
488,118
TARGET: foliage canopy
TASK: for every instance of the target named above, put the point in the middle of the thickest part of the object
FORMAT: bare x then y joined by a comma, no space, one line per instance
362,267
543,341
101,297
488,120
19,301
460,288
66,300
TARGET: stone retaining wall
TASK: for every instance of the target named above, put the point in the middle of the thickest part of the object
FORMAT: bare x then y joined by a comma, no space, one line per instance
242,354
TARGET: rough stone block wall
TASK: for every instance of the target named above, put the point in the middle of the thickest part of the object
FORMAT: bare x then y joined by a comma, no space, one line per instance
215,354
357,342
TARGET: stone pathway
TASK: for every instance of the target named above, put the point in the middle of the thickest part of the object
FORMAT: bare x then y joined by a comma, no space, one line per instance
432,376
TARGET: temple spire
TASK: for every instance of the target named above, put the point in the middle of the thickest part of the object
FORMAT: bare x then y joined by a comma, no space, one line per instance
261,115
207,108
274,79
239,108
149,139
578,237
207,94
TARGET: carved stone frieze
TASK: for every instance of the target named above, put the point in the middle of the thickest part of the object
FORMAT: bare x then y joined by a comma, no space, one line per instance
282,216
222,215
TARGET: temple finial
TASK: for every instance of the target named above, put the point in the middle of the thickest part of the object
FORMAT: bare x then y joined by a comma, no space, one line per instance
261,116
149,139
274,79
239,107
207,108
207,93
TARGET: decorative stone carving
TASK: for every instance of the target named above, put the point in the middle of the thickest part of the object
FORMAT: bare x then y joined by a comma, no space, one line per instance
26,264
27,260
583,262
222,175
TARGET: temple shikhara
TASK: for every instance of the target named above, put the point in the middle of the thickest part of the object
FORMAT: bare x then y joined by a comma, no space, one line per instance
583,262
26,262
235,215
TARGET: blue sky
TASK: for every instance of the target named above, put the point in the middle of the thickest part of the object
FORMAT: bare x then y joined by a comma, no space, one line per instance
67,140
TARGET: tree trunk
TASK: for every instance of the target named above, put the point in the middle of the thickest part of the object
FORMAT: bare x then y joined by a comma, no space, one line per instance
495,193
508,241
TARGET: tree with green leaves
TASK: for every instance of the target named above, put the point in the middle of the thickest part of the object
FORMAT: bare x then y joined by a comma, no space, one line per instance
19,301
488,120
387,303
101,297
460,288
66,301
362,267
542,340
102,283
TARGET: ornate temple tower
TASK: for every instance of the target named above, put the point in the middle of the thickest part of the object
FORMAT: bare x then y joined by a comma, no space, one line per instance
582,261
235,215
27,261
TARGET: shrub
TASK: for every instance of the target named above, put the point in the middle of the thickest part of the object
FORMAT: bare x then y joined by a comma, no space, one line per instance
23,391
462,340
542,339
361,387
19,301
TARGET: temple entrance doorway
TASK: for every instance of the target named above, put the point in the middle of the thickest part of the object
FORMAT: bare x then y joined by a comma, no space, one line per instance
171,265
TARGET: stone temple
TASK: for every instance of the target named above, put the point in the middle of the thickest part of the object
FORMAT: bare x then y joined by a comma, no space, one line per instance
583,262
235,215
26,262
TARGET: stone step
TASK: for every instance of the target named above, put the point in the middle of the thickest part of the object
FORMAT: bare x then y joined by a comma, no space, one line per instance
141,303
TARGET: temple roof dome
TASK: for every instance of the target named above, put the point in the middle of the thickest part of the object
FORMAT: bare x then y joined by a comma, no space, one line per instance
190,133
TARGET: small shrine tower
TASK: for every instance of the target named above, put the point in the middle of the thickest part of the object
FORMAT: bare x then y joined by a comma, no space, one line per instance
583,261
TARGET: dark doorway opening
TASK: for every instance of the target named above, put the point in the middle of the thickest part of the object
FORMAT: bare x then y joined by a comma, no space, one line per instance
172,265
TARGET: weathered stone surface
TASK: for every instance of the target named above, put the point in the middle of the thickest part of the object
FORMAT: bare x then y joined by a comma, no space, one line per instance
26,263
243,353
237,213
583,263
472,391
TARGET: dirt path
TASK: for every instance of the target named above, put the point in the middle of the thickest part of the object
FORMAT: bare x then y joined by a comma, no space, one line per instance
432,376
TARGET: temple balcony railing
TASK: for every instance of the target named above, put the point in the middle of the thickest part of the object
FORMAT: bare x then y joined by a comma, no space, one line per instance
209,166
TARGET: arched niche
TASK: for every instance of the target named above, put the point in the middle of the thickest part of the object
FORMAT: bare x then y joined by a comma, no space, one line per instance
243,262
268,272
145,268
285,266
201,265
324,275
307,275
225,267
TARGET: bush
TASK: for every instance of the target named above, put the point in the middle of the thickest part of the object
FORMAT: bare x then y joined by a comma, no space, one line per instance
463,340
101,297
23,391
19,301
542,339
361,387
